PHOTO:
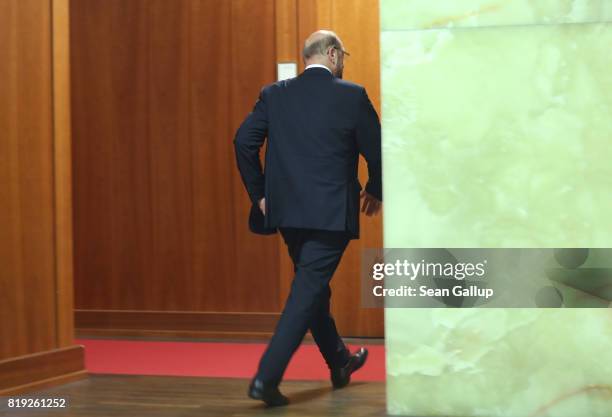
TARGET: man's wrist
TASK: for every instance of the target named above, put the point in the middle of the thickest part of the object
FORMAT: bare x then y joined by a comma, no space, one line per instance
257,198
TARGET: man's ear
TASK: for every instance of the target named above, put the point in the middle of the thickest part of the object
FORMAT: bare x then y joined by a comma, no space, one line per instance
331,52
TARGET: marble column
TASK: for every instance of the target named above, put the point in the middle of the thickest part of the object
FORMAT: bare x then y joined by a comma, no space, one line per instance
497,132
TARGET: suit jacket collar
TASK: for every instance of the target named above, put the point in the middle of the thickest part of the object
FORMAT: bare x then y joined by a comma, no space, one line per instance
317,71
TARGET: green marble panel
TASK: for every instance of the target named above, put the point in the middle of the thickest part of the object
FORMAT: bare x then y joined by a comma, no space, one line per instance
427,14
498,137
499,362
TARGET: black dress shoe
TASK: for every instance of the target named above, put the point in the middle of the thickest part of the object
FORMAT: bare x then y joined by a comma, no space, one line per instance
269,394
342,376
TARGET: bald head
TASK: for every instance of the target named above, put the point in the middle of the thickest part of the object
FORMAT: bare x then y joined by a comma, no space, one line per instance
319,42
324,47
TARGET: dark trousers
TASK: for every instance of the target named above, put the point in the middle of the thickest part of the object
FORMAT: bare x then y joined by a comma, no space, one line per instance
315,255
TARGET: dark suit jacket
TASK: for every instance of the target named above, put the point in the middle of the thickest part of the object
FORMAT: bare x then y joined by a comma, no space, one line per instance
316,125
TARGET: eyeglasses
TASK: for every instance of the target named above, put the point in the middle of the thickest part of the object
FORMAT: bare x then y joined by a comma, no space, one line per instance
345,52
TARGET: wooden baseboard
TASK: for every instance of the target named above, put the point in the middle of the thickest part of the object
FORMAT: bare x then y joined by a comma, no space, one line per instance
43,369
172,324
176,335
45,383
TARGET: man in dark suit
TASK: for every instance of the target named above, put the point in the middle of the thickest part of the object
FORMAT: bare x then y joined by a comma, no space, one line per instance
316,125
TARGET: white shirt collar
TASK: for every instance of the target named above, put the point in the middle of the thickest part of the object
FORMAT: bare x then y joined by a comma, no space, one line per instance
317,66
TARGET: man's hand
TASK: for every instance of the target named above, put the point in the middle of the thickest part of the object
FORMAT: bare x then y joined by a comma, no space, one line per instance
262,205
371,205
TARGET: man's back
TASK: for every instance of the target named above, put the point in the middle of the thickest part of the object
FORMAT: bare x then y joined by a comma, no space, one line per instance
316,126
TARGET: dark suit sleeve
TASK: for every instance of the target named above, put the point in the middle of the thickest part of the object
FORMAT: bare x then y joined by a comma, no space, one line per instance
247,142
369,144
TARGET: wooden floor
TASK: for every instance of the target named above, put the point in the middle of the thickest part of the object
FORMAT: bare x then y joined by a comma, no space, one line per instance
168,396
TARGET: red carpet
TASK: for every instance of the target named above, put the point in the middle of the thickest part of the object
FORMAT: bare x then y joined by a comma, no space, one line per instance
233,360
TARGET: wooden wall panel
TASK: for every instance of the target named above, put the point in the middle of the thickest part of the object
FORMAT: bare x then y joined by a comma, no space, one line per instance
35,196
26,171
111,170
212,157
62,178
286,20
170,160
253,65
159,89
